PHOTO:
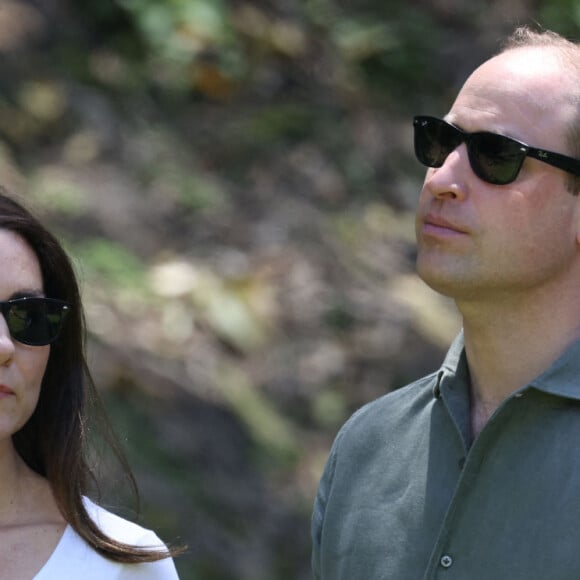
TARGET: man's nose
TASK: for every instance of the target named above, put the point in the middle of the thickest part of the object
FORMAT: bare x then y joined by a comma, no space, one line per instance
450,180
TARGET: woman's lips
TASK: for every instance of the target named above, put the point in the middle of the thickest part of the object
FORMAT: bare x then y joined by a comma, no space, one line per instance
5,391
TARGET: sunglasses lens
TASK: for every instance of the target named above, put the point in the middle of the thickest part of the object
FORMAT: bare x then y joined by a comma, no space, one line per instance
35,321
434,140
495,158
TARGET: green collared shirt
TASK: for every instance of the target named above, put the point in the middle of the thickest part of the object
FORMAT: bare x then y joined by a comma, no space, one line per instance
406,495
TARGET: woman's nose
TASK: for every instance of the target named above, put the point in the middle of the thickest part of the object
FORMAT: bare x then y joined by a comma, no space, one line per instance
7,346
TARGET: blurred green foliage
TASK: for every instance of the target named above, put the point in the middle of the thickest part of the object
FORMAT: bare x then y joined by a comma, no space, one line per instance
560,15
110,264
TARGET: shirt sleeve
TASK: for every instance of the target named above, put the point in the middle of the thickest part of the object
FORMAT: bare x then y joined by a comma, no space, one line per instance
324,490
318,514
160,570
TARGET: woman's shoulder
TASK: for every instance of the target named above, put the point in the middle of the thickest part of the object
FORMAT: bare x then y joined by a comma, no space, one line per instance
120,529
73,555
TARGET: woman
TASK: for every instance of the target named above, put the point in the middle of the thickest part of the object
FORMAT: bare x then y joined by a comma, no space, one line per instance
49,529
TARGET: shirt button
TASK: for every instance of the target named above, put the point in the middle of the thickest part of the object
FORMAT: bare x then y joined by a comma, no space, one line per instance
446,561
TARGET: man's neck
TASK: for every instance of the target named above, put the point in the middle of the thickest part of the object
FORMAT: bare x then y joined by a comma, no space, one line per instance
508,345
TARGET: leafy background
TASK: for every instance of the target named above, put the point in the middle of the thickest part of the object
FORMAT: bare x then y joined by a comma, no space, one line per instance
235,182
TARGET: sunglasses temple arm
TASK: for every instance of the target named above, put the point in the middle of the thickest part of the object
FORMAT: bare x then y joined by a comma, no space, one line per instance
563,162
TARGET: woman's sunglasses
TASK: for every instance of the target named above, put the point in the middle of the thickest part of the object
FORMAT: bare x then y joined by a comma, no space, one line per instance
493,158
35,321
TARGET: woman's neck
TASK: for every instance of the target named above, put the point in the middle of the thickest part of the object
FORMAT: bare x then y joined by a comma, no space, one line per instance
25,496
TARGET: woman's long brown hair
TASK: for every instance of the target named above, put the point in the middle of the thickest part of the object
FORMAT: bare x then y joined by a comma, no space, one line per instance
54,440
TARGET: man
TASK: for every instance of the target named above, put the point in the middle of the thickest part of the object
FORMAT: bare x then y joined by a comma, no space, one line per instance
474,471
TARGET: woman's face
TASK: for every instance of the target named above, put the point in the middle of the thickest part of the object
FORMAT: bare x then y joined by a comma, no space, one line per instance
22,367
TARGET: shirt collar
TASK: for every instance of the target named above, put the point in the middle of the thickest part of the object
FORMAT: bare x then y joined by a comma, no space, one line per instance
562,378
454,367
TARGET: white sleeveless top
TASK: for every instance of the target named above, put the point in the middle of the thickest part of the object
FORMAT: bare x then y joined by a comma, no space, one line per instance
74,559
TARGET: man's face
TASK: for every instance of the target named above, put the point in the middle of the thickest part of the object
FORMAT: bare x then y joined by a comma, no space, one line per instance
482,241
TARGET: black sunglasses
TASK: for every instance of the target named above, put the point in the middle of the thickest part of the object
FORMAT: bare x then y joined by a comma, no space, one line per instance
35,321
493,158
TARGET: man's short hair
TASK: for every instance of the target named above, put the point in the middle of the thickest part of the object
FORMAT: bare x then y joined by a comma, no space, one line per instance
526,37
